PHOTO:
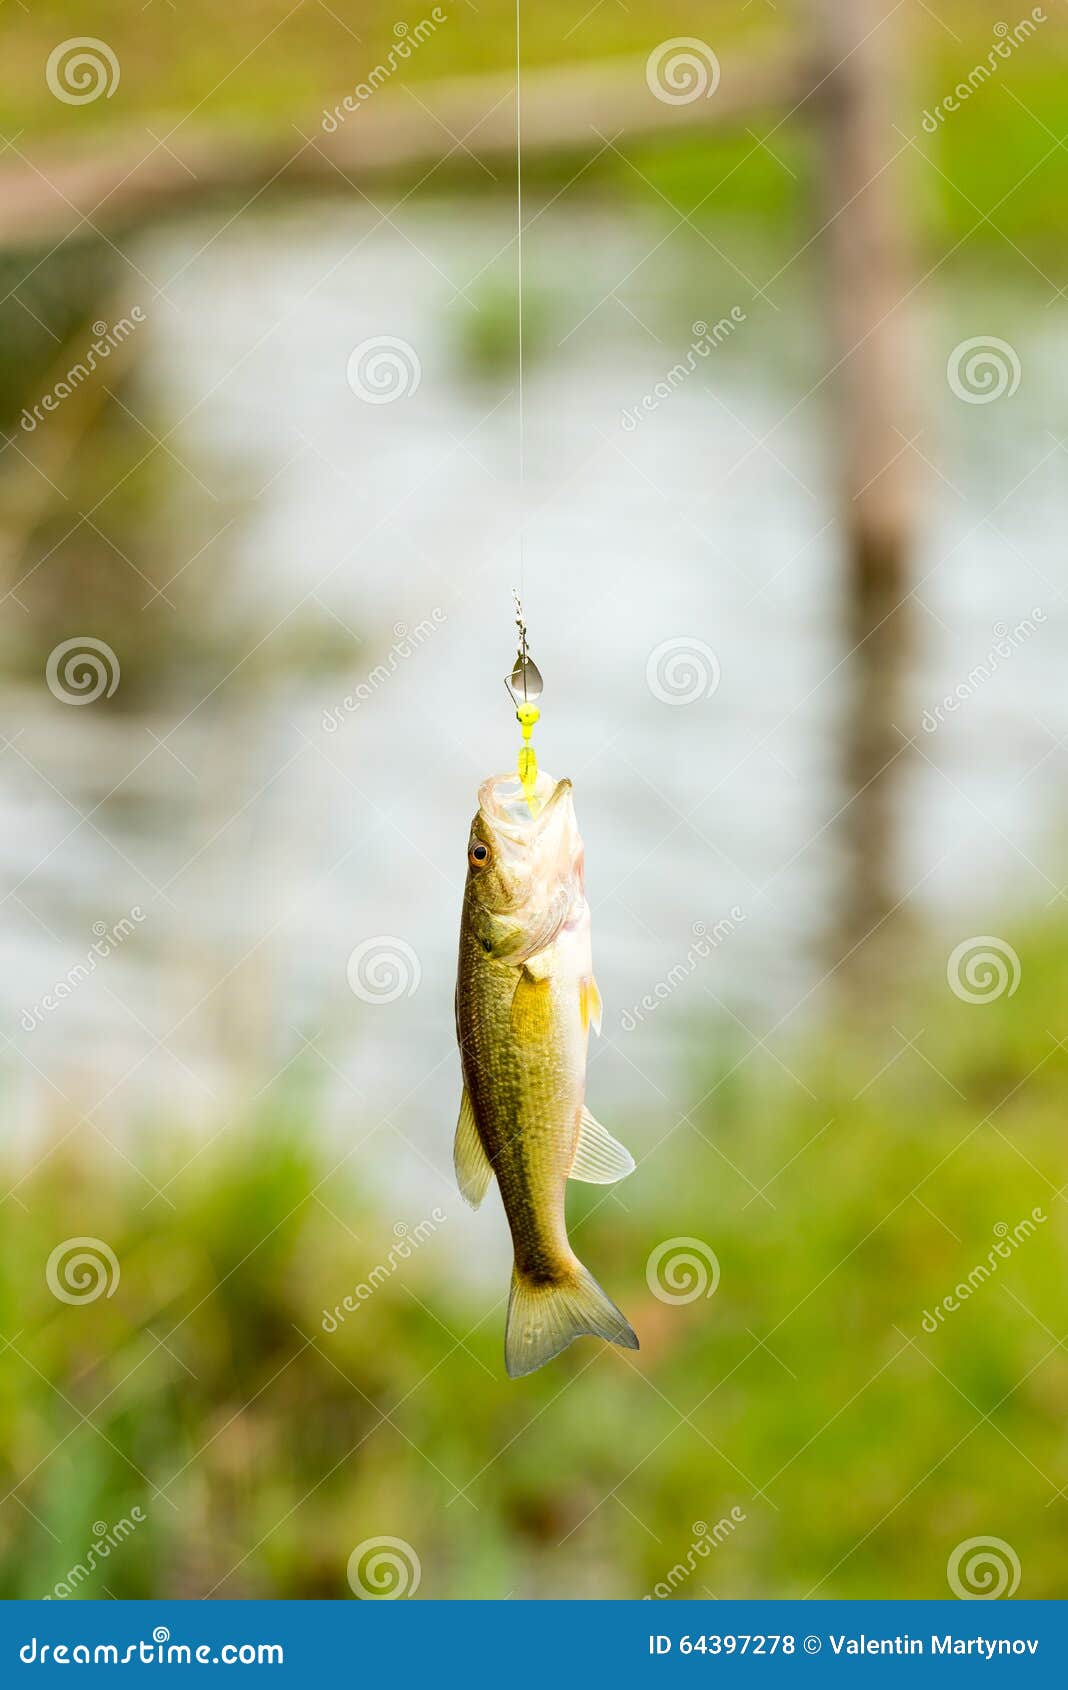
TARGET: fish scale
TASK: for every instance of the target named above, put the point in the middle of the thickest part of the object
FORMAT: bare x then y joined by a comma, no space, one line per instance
527,1102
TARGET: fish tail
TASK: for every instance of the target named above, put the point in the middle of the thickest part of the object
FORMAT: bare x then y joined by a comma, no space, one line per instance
544,1316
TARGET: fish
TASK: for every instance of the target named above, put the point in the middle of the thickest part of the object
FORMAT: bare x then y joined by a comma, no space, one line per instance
526,998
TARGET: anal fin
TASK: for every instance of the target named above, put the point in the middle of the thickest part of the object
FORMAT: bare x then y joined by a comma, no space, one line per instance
600,1159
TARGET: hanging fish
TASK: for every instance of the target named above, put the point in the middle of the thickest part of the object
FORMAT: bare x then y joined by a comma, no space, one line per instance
525,999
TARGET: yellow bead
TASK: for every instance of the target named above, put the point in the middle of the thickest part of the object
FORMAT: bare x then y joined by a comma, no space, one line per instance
526,716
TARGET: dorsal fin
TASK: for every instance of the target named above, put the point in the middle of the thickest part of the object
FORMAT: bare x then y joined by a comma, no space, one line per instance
473,1170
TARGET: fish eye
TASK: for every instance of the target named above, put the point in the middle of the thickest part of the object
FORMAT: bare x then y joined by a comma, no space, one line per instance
477,854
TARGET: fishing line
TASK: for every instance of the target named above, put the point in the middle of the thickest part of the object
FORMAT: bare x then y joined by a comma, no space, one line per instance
524,683
519,287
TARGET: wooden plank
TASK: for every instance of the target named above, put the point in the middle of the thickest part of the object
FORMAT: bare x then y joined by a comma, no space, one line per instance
130,178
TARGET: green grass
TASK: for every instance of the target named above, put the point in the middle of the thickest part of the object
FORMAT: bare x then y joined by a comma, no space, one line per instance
806,1393
266,65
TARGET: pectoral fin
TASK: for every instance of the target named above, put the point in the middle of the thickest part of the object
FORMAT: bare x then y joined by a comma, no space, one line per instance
473,1171
539,966
600,1159
590,1005
532,1008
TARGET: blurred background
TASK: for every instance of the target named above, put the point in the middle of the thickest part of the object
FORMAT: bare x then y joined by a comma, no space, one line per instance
793,509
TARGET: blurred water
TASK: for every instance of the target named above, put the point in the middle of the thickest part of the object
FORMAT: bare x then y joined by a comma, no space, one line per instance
263,846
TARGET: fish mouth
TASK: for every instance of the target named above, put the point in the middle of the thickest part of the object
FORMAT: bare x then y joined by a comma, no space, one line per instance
539,857
502,802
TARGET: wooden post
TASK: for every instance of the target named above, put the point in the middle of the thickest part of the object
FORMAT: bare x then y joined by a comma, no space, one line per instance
867,266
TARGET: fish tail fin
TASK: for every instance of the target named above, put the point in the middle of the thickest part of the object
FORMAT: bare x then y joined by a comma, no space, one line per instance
545,1316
